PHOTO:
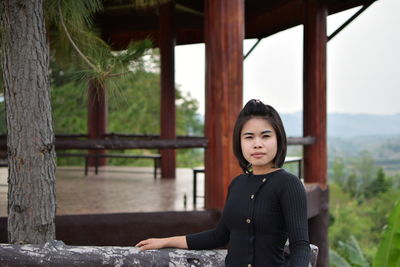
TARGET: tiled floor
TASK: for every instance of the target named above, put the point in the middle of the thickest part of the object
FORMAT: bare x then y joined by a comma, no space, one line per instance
117,189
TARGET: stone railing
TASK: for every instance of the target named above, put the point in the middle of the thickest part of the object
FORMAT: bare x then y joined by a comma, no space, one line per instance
56,253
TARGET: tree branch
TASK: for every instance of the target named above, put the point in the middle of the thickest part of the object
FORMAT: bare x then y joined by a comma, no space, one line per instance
73,43
117,74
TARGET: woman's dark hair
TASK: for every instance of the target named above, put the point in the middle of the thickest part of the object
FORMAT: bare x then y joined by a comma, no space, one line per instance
255,108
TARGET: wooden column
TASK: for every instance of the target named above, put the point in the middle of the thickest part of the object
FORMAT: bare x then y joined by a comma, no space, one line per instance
315,117
314,95
167,110
224,33
97,117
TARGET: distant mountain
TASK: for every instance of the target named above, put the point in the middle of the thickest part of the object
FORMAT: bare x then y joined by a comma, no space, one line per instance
348,125
293,123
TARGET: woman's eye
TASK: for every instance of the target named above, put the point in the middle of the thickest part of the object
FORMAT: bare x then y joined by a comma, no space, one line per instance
266,136
248,137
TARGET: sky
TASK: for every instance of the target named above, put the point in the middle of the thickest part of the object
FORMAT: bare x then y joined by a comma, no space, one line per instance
363,65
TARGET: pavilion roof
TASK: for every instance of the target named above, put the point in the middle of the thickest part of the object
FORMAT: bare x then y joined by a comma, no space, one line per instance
121,23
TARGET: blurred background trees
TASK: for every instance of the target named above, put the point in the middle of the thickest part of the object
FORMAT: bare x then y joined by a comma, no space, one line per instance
361,198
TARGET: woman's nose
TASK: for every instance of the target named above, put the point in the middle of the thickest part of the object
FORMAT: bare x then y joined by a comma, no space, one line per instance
257,143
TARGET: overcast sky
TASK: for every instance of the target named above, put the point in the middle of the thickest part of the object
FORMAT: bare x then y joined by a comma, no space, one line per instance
363,65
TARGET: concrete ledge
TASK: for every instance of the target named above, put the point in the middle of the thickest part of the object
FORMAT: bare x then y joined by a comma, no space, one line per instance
56,253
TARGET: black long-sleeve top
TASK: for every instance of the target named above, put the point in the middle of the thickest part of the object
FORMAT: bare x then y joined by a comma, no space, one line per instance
260,213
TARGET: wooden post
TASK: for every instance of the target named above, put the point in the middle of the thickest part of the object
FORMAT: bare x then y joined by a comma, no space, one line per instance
224,33
97,118
315,117
167,110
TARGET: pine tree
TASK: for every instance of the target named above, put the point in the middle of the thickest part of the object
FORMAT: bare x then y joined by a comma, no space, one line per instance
30,140
25,60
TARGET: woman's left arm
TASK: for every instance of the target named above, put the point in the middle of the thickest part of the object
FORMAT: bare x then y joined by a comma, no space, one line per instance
294,206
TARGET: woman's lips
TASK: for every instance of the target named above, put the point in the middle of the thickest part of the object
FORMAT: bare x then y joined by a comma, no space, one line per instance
258,155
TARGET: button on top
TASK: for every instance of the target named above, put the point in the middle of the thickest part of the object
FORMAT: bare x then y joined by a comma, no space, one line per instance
248,220
263,180
252,196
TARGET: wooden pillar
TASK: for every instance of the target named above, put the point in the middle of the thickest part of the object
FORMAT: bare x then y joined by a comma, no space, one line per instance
167,110
315,117
224,33
97,117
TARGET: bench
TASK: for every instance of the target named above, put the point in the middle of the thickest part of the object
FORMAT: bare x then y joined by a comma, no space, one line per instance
155,157
201,170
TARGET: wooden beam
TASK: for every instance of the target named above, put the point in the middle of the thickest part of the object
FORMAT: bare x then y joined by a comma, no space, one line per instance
132,141
348,21
101,144
149,136
97,117
275,20
167,79
224,33
305,141
315,115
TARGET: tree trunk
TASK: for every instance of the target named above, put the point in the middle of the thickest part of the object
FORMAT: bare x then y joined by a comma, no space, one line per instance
30,141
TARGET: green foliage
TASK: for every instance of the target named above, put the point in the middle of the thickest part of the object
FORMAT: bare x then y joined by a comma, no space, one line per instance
188,122
349,219
349,254
360,174
336,260
133,98
351,186
352,251
365,168
136,109
378,208
363,218
76,16
144,3
69,109
357,178
395,179
133,109
78,12
386,152
72,33
379,185
339,172
388,254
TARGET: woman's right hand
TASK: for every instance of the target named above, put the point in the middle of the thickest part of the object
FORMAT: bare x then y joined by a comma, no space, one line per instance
156,243
152,243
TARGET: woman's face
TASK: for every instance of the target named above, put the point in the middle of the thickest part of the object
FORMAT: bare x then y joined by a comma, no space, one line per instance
259,144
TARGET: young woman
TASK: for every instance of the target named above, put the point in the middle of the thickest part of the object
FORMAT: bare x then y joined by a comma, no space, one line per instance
265,205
